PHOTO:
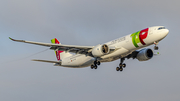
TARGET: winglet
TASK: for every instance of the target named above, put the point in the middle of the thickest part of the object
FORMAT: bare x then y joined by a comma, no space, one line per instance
16,40
11,39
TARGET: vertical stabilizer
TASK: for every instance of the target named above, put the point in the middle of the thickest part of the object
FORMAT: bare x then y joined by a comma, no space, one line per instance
60,54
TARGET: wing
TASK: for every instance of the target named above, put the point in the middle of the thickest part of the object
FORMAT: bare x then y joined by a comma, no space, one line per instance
59,62
68,48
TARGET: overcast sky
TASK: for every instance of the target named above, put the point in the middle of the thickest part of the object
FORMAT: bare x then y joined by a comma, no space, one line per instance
86,22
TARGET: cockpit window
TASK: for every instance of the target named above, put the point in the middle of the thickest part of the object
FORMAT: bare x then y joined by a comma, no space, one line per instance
161,28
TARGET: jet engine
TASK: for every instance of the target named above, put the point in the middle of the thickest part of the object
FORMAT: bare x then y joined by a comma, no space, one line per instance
144,54
100,50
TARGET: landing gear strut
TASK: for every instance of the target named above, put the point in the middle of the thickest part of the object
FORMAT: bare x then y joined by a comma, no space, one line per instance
95,64
156,47
121,65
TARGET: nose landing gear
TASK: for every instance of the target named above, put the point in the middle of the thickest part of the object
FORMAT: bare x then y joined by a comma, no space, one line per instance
156,47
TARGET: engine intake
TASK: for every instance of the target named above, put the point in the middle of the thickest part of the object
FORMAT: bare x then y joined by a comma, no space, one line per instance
144,54
100,50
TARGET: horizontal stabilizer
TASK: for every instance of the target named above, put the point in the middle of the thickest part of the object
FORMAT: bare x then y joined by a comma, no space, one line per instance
59,62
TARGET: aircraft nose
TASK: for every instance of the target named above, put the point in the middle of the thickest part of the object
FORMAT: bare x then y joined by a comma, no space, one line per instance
166,31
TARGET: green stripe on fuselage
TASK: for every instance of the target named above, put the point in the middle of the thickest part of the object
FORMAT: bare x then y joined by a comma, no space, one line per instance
135,38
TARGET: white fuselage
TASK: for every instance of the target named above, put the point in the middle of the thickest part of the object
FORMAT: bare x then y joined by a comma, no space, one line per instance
123,46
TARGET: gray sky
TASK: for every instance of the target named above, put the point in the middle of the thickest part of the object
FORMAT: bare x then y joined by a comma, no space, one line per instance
86,22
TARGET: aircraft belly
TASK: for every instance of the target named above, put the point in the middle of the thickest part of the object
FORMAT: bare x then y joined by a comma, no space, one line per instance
118,53
115,57
78,62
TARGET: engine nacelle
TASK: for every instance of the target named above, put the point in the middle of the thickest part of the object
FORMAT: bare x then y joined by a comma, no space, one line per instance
144,54
100,50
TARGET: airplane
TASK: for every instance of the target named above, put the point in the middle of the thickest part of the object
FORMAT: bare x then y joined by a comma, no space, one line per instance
74,56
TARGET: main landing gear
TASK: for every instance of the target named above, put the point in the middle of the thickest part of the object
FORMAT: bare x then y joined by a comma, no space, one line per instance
156,47
121,65
96,63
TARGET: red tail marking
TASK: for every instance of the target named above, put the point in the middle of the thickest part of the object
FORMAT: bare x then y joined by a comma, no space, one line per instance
58,52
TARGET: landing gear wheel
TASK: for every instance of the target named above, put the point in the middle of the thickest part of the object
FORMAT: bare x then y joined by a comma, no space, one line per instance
117,68
95,62
121,69
120,65
156,47
92,67
95,67
124,65
98,63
